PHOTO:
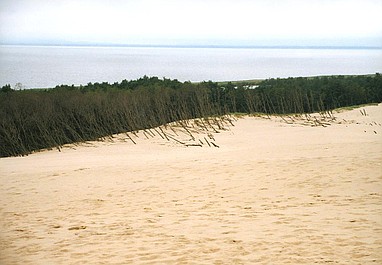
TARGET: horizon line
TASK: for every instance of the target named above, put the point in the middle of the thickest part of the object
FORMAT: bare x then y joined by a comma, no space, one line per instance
213,46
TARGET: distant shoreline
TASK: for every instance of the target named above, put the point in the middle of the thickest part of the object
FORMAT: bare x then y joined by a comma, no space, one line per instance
187,46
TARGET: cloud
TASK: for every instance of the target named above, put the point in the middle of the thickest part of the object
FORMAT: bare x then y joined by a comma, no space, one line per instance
208,20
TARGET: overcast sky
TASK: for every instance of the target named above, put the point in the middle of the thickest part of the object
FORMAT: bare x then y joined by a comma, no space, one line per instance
198,22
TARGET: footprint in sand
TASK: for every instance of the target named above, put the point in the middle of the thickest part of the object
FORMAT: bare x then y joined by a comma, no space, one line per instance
77,227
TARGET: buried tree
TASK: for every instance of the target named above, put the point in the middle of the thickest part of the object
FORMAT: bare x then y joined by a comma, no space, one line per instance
35,119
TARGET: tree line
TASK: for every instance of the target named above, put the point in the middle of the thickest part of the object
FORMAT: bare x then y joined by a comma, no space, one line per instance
44,118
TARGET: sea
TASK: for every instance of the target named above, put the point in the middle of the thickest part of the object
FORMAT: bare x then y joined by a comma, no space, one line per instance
48,66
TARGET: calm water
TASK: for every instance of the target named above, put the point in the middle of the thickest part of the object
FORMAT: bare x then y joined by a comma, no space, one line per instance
42,67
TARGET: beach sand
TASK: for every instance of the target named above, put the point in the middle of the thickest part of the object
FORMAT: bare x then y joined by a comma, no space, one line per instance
272,193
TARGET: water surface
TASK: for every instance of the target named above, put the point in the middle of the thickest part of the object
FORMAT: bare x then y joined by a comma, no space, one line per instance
47,66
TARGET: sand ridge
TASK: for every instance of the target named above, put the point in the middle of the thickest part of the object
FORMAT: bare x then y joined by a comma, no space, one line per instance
272,193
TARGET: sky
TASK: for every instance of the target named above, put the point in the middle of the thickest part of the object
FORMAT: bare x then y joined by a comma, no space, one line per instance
193,22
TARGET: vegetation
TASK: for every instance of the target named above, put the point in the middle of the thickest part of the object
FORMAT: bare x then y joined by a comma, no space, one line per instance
35,119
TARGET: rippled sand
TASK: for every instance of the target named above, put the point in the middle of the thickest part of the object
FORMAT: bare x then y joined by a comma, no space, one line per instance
272,193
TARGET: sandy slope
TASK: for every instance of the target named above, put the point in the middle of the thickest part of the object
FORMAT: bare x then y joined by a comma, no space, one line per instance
273,193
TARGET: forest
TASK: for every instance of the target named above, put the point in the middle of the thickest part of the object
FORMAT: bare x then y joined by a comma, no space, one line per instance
35,119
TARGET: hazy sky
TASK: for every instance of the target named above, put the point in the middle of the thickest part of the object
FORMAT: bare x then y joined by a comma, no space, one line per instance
213,22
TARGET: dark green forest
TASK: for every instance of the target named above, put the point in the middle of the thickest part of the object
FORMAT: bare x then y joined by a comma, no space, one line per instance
35,119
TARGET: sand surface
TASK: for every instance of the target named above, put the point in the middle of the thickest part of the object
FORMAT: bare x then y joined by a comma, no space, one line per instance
272,193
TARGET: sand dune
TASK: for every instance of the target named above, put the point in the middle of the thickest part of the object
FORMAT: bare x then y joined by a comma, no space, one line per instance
272,193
